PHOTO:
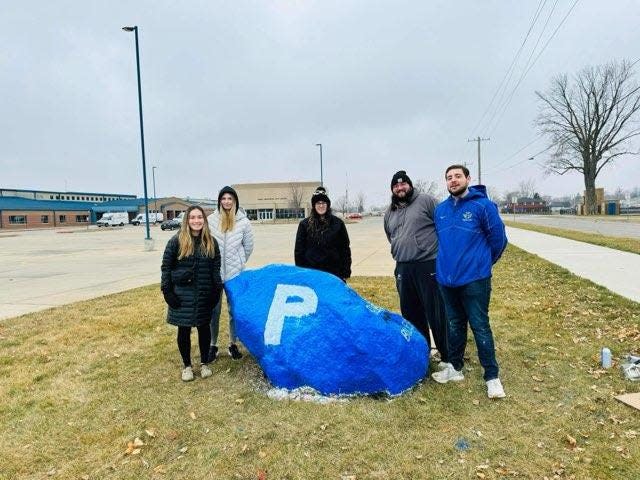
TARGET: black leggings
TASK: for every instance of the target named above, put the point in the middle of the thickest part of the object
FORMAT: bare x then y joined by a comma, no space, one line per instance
184,343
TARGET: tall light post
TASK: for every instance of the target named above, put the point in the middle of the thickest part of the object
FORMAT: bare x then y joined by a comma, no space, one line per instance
321,179
144,163
155,198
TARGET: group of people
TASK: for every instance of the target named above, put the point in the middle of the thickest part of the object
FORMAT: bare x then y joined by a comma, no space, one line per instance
208,251
444,255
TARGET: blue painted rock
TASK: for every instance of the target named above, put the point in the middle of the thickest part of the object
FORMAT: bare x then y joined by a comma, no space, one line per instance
308,328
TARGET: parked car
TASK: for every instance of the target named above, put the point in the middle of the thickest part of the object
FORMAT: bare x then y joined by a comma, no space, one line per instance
354,216
111,219
172,224
153,218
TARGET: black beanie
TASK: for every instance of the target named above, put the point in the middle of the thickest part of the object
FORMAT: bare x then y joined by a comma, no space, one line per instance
400,176
320,195
230,191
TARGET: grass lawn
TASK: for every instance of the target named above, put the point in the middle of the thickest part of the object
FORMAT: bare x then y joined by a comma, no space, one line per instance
619,243
80,382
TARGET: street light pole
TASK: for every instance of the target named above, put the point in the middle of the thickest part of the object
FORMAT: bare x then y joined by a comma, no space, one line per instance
155,198
321,179
144,163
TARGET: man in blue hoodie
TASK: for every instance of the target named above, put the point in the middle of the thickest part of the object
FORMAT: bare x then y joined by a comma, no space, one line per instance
472,238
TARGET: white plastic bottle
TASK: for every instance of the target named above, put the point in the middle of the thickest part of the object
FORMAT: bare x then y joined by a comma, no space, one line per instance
605,357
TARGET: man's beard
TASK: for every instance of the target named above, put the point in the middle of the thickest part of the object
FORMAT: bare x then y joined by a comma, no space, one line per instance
459,191
406,199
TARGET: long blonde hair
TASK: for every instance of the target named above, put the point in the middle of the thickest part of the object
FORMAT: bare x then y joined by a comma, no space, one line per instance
185,239
228,217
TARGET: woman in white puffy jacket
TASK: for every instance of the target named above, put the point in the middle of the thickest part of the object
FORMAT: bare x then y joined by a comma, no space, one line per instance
232,231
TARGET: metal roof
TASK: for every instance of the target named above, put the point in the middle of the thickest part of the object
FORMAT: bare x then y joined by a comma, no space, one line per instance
65,192
19,203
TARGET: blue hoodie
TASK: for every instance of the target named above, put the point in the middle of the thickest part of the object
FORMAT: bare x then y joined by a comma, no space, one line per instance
471,236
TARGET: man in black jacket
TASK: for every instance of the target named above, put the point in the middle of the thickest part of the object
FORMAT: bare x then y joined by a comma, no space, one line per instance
322,241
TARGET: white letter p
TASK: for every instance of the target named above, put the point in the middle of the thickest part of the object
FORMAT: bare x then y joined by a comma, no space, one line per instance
306,304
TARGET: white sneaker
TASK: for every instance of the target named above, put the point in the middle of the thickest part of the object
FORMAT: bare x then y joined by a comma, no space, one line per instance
187,374
442,365
205,371
448,374
494,389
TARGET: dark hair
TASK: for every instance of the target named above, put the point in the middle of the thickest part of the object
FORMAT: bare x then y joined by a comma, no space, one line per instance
464,169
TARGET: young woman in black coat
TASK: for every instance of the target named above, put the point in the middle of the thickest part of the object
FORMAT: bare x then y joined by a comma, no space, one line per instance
191,285
322,241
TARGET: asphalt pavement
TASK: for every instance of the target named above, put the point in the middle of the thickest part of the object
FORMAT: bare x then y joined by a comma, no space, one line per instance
48,268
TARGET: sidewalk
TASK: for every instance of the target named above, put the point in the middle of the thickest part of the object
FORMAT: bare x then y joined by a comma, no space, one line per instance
616,270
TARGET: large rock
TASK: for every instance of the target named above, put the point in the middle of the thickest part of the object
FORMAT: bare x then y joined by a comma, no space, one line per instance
308,328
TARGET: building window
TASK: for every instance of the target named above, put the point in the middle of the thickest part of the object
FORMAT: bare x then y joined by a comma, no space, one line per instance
290,213
17,219
252,214
57,197
62,219
51,197
68,197
44,218
82,218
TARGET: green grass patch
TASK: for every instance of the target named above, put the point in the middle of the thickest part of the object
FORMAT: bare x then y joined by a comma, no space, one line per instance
619,243
86,379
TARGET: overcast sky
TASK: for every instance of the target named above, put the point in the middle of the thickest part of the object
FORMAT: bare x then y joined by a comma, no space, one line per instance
241,91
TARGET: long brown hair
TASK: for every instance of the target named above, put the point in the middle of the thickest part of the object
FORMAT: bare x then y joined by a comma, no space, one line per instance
185,239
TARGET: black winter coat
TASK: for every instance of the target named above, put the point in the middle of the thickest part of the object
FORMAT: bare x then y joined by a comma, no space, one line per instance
326,249
196,282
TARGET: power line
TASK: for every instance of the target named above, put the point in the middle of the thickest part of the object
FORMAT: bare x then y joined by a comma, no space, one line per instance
524,74
510,70
506,159
502,106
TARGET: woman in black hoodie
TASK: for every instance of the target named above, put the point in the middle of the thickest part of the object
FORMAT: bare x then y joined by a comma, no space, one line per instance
322,242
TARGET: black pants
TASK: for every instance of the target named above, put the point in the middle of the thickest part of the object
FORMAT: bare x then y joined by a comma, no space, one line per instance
184,343
421,302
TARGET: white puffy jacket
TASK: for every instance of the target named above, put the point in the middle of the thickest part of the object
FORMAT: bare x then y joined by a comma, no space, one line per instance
235,246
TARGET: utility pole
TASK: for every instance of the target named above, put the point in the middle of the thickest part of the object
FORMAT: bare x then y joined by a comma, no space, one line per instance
478,139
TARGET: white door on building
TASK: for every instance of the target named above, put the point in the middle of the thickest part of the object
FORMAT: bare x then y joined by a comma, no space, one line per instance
265,214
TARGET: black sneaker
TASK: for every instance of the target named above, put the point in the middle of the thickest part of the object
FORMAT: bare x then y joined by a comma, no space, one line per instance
234,352
213,353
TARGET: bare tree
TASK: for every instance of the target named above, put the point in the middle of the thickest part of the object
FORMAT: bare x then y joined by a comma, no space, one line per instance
494,194
296,195
360,202
421,186
341,204
527,188
590,121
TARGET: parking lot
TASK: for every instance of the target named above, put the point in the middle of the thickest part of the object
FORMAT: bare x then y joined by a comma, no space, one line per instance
46,268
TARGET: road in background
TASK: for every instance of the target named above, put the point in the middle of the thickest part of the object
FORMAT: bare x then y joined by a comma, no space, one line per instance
614,226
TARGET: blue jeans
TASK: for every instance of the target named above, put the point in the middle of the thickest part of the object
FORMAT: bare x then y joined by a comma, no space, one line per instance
215,323
469,304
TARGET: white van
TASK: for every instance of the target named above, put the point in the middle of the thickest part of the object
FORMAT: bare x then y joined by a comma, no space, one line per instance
153,218
111,219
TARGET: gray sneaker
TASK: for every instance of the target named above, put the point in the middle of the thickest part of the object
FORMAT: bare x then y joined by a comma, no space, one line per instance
187,374
448,374
205,371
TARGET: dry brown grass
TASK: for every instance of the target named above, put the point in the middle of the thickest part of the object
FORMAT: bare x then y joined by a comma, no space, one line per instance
78,383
